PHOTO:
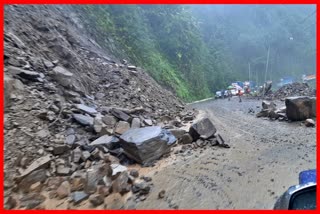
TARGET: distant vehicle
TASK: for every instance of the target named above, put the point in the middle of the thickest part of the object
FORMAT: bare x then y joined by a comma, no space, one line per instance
218,94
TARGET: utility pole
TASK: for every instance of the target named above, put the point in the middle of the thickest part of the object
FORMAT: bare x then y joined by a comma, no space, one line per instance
249,71
265,74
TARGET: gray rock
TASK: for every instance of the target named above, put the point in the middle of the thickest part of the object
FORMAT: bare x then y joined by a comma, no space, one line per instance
309,123
79,196
31,200
34,177
62,76
70,139
60,149
29,75
142,188
121,127
148,122
117,169
76,155
85,155
110,142
120,115
109,120
132,67
86,109
63,171
268,105
300,108
134,173
178,133
64,190
40,163
186,139
145,145
96,199
95,175
135,123
161,194
203,129
120,184
48,64
83,119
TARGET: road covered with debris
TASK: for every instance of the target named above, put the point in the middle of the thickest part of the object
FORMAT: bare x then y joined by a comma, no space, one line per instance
265,159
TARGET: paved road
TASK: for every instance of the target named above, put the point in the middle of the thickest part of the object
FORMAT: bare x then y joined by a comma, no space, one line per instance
264,160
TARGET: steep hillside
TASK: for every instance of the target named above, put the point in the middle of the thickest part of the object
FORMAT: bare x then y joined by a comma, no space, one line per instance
62,92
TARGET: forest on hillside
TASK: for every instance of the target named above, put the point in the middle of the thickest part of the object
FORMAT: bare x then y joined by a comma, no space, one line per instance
195,50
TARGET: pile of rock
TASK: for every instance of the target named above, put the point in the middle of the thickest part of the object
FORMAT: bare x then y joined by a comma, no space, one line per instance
295,109
201,134
294,89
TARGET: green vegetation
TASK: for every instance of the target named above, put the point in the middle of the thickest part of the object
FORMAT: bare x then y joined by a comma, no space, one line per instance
196,50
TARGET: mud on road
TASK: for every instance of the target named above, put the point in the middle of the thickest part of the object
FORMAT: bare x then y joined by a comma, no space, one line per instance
265,158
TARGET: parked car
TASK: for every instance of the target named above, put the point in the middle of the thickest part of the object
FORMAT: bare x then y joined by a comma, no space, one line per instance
218,94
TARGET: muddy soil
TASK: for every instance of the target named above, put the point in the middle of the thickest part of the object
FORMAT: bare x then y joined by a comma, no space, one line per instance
265,158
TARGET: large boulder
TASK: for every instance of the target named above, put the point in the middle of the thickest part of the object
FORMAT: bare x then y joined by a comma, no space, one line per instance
202,129
300,108
145,145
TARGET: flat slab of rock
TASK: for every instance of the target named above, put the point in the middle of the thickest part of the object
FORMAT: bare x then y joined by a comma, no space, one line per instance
30,75
110,142
37,164
148,144
120,115
203,128
86,109
79,196
300,108
83,119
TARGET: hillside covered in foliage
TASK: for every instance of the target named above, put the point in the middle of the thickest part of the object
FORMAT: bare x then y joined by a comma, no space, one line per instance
195,50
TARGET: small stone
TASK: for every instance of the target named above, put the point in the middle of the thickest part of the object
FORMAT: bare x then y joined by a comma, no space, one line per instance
309,123
117,169
122,127
142,187
63,171
132,67
134,173
83,119
161,194
103,190
86,109
120,184
109,120
79,196
148,122
96,199
78,184
76,155
70,131
31,200
36,187
64,190
135,123
85,155
70,139
147,179
60,149
120,115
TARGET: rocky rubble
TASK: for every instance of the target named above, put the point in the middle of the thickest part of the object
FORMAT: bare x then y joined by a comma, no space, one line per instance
75,119
296,109
290,90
